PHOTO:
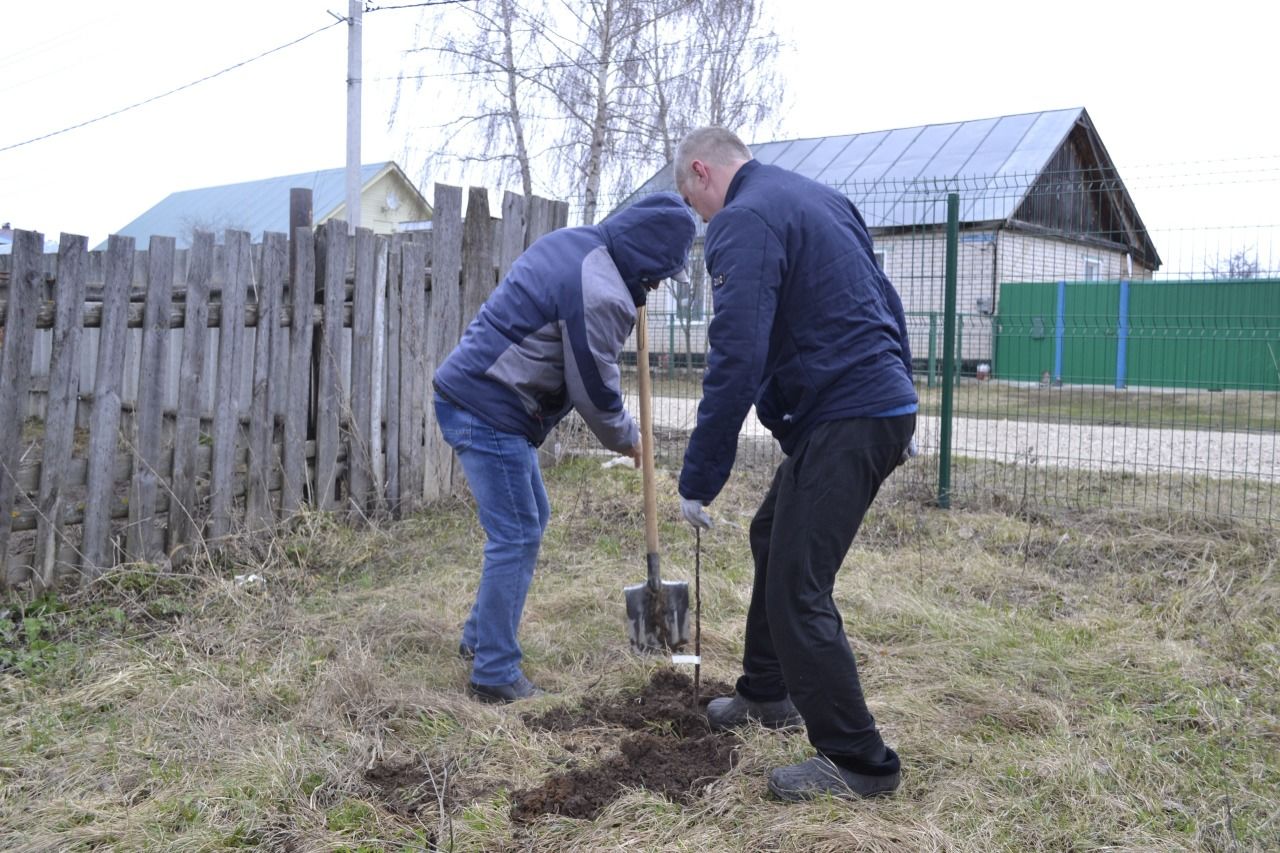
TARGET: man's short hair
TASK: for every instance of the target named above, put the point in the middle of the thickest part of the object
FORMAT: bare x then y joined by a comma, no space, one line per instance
713,144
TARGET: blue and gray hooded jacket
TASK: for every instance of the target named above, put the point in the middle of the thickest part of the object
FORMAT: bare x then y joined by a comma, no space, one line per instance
547,339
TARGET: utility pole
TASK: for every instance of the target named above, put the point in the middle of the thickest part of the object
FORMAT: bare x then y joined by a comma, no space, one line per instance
355,31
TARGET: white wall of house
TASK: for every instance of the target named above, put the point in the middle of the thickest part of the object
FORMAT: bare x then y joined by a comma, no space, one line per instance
1028,257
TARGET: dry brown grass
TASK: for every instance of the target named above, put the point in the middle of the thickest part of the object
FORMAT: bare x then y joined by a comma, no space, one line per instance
1053,682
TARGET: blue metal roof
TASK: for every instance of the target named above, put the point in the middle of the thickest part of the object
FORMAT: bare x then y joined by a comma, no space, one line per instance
253,206
895,177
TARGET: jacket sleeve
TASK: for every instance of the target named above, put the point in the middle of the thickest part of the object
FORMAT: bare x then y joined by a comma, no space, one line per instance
594,330
747,264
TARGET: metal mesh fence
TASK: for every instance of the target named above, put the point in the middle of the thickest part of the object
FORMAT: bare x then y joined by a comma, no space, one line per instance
1097,362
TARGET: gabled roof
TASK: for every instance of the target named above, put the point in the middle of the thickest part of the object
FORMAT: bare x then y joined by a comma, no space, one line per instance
253,206
899,178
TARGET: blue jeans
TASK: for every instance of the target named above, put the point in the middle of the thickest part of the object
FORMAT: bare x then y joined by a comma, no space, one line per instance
502,470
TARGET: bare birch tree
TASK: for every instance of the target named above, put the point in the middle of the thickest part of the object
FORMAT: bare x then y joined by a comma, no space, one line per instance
589,95
598,90
740,86
496,54
713,64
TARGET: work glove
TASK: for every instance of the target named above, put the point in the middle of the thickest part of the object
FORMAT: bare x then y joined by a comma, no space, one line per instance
695,512
909,452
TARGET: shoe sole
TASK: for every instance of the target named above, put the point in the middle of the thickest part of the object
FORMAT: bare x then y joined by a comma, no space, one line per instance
777,725
845,794
490,699
487,699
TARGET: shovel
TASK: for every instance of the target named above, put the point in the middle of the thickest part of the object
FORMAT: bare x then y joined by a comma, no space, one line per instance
657,610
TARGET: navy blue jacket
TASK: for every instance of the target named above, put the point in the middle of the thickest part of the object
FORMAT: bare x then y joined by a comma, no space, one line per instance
807,327
547,339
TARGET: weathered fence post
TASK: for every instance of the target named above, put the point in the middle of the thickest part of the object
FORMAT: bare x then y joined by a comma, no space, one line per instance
15,375
394,397
331,270
96,550
300,215
511,235
377,401
537,220
302,291
226,410
360,422
477,256
444,325
144,542
186,433
60,415
414,378
263,461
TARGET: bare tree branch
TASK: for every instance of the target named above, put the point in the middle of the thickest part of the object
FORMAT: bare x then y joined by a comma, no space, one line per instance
598,92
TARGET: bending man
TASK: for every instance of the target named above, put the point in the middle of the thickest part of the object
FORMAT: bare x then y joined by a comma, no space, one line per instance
809,330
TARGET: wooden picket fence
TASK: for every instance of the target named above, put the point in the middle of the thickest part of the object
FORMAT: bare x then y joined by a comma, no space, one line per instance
317,391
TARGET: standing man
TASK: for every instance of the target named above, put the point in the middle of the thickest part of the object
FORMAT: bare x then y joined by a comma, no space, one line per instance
809,330
545,342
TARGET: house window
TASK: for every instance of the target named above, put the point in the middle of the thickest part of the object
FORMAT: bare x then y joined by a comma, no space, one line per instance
881,257
1092,269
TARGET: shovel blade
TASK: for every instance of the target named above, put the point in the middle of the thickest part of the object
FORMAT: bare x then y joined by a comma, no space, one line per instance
658,619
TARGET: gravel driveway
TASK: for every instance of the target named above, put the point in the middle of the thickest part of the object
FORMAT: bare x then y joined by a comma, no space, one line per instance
1135,450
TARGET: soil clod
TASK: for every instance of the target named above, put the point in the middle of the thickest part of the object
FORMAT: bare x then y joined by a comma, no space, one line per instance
673,752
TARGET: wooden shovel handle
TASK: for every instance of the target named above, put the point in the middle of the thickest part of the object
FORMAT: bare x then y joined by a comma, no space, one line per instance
646,433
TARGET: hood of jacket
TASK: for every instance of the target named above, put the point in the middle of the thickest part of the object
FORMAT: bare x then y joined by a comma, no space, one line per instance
649,241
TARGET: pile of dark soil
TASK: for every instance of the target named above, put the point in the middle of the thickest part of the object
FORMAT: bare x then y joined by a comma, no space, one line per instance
666,702
672,752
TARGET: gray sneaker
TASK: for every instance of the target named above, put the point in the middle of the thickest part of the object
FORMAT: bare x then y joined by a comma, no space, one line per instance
521,688
819,777
731,712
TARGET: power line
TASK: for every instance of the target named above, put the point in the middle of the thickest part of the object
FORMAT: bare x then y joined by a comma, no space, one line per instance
178,89
369,7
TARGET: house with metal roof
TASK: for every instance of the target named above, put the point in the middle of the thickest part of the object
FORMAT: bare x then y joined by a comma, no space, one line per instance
388,200
1040,200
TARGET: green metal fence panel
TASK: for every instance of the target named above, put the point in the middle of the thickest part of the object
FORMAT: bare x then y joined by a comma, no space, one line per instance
1213,335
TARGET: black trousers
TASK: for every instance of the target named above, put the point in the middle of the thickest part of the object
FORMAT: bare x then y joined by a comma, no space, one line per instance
795,639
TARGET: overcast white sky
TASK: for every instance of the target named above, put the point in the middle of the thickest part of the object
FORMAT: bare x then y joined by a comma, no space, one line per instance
1182,96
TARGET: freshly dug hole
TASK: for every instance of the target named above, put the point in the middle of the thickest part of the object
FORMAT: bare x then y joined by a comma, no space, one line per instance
677,765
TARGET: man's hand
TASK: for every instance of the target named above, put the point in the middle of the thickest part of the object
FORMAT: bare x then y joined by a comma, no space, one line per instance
695,512
637,453
909,452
